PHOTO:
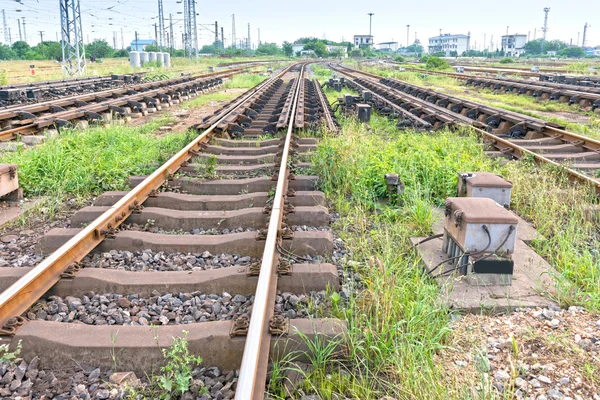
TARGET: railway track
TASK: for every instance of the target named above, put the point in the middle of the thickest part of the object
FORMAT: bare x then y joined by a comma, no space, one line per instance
123,102
227,240
588,98
507,134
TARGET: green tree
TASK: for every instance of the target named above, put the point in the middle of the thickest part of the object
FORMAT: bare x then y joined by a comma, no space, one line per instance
208,49
6,53
121,53
268,49
533,47
288,50
572,52
20,48
99,48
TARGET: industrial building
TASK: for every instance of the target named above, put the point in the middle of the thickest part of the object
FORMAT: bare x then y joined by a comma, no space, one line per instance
363,41
140,44
449,43
513,45
387,46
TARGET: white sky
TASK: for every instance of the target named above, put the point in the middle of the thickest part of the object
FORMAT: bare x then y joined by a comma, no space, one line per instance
335,20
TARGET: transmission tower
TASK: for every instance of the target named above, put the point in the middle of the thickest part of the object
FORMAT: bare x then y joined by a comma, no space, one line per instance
186,28
73,50
122,40
161,25
232,30
193,27
545,27
6,33
585,28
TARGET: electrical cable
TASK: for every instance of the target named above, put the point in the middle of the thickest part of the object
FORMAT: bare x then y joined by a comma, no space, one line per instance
439,235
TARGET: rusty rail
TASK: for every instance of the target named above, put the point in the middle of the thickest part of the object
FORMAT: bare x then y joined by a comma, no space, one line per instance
23,293
253,371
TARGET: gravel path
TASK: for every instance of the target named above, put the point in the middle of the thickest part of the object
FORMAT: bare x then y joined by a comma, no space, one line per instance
162,308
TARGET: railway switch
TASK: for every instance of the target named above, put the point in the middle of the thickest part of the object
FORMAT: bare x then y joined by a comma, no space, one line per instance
479,239
484,184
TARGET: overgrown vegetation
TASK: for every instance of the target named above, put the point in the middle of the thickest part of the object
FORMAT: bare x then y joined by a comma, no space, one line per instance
436,63
506,60
206,99
175,377
397,326
95,160
7,356
244,81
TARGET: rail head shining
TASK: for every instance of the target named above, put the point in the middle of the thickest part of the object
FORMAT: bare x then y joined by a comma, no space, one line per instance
28,289
254,361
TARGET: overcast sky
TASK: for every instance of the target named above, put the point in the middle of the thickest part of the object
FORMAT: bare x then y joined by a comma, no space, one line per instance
334,20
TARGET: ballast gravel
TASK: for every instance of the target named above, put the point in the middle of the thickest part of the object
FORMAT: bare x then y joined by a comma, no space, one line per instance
163,308
147,260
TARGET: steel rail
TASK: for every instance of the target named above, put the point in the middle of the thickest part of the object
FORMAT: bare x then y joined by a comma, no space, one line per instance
326,108
253,370
22,294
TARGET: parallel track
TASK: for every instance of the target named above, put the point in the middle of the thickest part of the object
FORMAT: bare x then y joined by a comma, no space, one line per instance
234,193
509,134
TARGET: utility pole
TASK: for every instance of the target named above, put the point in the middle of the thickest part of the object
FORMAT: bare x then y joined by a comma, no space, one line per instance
407,34
20,35
115,40
440,39
172,42
122,40
506,30
156,36
136,42
585,28
42,41
370,22
249,42
534,33
222,38
578,35
73,50
161,25
258,38
545,27
484,42
24,30
233,41
6,33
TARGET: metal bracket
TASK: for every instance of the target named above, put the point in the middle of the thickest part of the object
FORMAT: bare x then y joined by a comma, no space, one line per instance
289,208
286,233
136,207
239,327
261,234
153,193
12,172
284,267
12,326
71,271
253,269
109,233
279,325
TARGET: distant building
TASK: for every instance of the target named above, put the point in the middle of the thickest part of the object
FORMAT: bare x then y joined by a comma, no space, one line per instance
387,46
363,41
551,53
592,51
513,45
449,43
297,48
140,44
335,49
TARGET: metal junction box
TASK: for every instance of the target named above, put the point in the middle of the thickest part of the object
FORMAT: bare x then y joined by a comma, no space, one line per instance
485,184
364,112
367,95
479,239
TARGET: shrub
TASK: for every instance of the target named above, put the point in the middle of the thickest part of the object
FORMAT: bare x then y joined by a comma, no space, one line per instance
424,58
436,63
399,59
506,60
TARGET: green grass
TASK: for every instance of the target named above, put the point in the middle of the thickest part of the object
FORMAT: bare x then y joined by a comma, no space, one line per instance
203,100
244,81
95,160
397,326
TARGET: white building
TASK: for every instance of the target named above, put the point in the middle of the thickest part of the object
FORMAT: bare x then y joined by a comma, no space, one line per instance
363,41
387,46
297,47
341,49
449,43
513,45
